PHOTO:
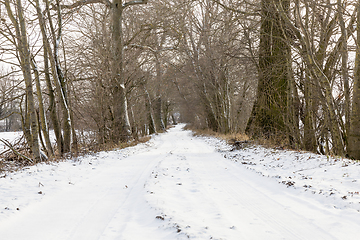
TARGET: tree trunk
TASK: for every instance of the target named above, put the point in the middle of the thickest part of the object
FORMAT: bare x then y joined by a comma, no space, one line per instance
344,68
354,134
48,55
24,54
149,112
274,53
56,71
293,106
67,124
158,102
330,117
309,131
52,104
42,116
121,127
314,66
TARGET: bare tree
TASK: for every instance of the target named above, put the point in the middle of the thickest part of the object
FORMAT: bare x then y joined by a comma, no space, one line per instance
30,126
354,134
58,77
121,129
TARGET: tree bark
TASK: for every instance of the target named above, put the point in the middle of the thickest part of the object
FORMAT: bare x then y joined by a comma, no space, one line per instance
274,56
56,72
42,116
52,103
309,130
60,80
149,112
321,79
354,134
121,126
344,68
158,103
25,64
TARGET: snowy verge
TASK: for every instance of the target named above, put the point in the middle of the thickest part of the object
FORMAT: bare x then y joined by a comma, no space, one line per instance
28,185
335,182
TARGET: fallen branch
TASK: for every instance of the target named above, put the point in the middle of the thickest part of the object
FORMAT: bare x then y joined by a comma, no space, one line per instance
14,151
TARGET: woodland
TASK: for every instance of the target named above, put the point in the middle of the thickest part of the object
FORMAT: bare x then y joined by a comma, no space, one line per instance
105,72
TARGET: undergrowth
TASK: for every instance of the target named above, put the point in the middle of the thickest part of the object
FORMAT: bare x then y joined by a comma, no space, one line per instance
10,162
276,142
228,137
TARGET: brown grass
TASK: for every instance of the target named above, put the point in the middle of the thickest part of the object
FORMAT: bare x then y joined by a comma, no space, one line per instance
278,141
133,143
93,147
275,142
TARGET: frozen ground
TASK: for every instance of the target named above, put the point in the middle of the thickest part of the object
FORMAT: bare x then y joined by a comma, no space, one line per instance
177,187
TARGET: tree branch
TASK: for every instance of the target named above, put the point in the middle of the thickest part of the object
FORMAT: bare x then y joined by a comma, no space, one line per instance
14,151
135,2
85,2
150,49
236,10
141,47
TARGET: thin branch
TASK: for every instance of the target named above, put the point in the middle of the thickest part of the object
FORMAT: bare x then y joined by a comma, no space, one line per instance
135,2
150,49
84,2
8,74
14,151
236,10
3,118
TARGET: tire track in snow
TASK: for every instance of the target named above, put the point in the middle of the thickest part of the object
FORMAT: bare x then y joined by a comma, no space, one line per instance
124,207
276,220
221,190
128,218
105,206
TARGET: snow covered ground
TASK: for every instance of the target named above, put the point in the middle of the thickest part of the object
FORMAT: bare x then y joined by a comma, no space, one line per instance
178,186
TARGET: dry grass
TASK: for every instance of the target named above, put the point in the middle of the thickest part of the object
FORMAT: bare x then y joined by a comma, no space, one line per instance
230,137
93,147
279,141
272,143
133,143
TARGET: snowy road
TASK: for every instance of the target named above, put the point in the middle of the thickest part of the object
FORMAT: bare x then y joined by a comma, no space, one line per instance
177,188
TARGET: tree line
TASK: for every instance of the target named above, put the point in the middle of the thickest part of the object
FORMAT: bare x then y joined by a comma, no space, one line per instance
283,70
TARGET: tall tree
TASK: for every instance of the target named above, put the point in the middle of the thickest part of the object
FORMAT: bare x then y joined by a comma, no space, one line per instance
121,129
354,134
52,54
270,111
30,126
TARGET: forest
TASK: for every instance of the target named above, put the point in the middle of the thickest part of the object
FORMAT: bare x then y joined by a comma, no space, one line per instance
113,71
